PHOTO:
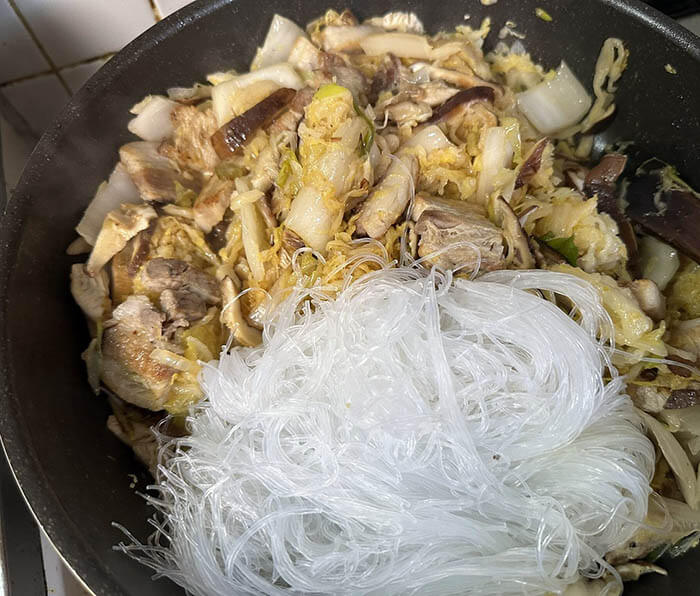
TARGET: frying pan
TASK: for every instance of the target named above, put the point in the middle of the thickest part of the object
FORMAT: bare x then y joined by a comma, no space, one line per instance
74,473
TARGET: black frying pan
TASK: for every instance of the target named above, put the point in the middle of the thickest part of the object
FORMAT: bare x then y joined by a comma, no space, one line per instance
74,473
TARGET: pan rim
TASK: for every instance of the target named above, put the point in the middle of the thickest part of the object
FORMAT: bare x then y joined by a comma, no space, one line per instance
15,437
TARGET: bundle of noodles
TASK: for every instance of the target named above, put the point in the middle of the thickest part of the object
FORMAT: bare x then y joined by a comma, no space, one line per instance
416,434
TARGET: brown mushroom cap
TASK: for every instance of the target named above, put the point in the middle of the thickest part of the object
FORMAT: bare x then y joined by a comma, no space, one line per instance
236,133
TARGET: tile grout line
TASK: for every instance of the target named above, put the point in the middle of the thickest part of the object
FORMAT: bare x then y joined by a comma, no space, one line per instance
39,46
154,9
42,73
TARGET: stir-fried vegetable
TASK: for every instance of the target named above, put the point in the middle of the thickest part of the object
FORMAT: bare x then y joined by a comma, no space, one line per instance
350,145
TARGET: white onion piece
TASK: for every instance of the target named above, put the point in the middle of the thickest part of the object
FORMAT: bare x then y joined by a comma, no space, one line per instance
677,459
430,138
254,238
344,39
226,96
278,42
497,155
312,219
556,104
658,260
110,195
153,120
413,435
173,360
403,45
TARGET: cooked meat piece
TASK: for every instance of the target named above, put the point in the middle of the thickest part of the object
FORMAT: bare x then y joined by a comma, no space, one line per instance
211,204
349,77
172,274
134,331
90,292
409,112
127,262
461,101
154,174
191,145
182,306
434,93
132,426
120,226
389,198
441,223
648,398
387,77
461,79
305,56
290,119
650,298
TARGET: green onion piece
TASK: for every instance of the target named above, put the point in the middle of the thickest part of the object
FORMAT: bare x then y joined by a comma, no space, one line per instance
368,138
543,14
564,246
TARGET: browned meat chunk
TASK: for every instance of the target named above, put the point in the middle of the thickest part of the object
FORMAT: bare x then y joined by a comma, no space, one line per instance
132,426
90,292
155,175
212,202
443,225
191,145
290,119
182,306
172,274
126,264
120,226
134,331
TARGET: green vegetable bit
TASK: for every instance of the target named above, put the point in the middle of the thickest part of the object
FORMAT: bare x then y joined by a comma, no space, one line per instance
228,170
366,139
543,14
185,197
564,246
328,90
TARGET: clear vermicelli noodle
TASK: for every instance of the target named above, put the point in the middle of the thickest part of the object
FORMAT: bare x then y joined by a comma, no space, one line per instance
418,433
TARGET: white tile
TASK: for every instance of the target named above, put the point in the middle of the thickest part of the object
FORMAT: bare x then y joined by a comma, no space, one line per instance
692,23
15,42
75,30
60,580
166,7
15,152
76,76
39,100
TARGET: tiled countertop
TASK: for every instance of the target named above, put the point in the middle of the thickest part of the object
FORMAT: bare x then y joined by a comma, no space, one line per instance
48,49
